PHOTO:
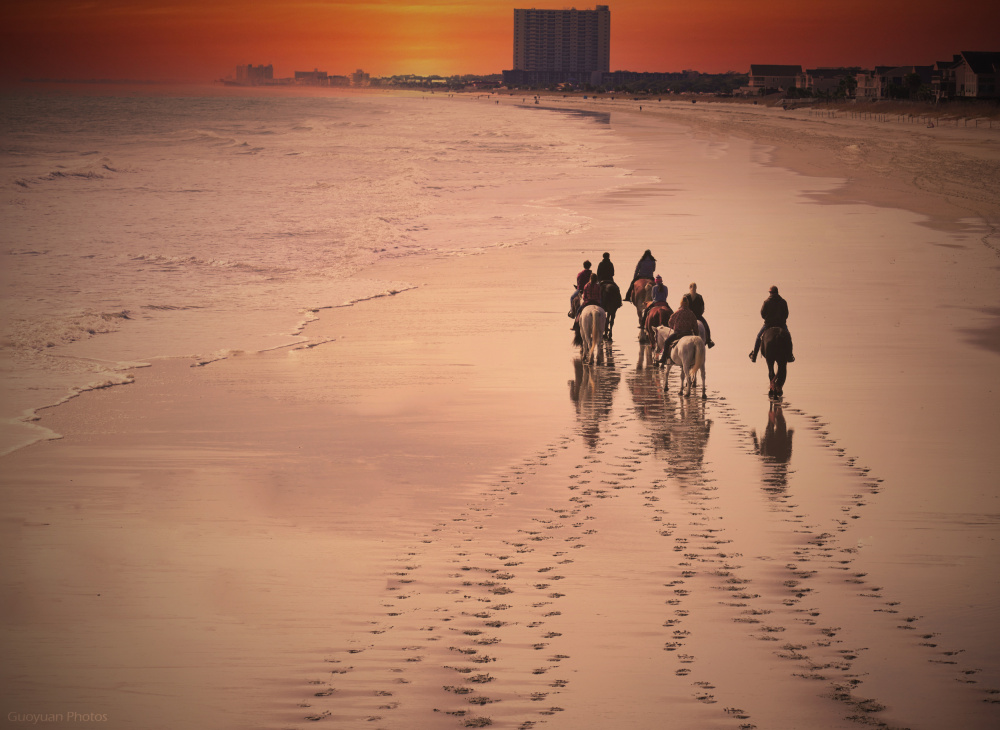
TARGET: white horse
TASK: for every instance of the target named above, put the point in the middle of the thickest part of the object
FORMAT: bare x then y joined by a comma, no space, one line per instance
592,321
688,353
662,332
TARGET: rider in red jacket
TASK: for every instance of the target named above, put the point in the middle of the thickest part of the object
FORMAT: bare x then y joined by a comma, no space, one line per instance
683,322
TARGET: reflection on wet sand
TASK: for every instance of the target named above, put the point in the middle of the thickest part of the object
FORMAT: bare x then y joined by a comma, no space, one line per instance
679,427
592,390
775,449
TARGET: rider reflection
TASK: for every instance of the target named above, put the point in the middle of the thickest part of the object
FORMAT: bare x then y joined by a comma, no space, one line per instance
679,427
775,449
592,390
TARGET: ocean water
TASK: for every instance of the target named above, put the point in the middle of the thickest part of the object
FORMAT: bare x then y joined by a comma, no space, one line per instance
139,227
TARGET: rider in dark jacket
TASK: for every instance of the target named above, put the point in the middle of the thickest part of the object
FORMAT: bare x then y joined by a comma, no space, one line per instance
698,307
605,269
774,312
643,270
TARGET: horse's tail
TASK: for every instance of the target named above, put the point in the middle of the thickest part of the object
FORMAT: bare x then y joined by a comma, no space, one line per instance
577,339
598,333
699,360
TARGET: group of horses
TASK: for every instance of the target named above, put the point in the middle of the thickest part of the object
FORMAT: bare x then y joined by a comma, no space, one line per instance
688,353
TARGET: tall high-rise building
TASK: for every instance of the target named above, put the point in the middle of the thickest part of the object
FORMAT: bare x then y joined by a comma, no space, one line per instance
562,45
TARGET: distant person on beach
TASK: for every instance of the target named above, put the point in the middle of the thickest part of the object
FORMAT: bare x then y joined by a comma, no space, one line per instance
683,322
698,307
660,290
643,270
591,292
659,295
605,269
582,279
774,312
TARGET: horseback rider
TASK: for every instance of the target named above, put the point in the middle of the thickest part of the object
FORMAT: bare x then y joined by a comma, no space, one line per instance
582,279
683,322
605,269
774,312
698,307
643,270
591,293
660,290
659,293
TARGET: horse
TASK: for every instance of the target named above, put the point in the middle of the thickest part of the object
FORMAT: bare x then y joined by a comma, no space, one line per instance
776,347
689,353
611,301
660,335
657,315
642,294
588,335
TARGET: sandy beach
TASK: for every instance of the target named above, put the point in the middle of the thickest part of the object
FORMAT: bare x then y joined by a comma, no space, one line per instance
428,513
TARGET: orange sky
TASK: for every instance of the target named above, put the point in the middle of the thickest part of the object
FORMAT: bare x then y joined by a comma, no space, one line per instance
201,40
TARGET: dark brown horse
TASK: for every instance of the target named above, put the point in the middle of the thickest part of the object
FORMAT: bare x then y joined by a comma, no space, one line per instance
611,301
776,347
658,315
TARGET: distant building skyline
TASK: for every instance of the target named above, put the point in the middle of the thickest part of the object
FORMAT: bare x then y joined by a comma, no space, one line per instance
250,75
193,40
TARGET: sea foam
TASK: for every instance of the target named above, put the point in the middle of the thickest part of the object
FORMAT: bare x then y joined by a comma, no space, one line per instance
150,227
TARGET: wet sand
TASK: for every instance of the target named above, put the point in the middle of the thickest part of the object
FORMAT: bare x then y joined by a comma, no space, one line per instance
432,515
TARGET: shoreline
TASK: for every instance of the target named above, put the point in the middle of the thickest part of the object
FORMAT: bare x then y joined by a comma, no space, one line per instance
875,166
876,160
380,484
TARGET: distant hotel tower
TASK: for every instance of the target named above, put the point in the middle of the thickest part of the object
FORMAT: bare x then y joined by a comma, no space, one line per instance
250,75
554,46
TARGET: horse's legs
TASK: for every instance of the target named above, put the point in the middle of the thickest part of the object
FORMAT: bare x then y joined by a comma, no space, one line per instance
703,396
782,374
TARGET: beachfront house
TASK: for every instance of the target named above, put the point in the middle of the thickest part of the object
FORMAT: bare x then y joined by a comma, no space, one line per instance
906,82
893,82
766,79
975,74
869,83
827,81
943,78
